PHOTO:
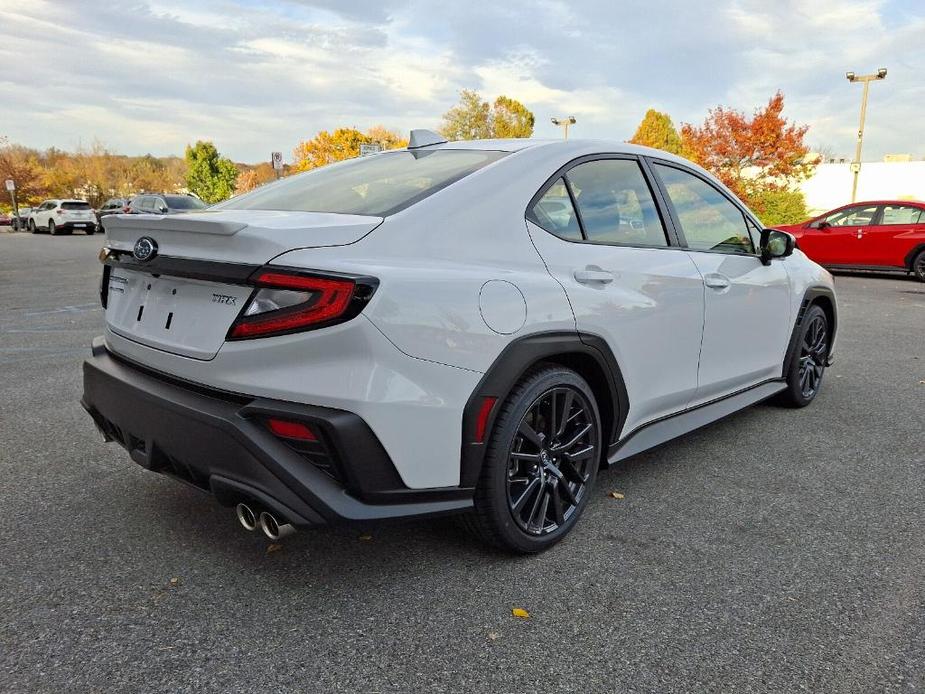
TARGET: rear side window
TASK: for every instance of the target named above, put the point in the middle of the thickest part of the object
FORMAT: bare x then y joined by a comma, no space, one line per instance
710,222
379,185
184,202
75,205
896,214
615,204
556,214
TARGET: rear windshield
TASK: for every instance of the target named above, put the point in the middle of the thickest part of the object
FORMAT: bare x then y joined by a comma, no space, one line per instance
75,205
378,186
184,202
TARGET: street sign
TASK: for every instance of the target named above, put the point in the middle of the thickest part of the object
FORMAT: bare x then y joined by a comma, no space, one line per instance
277,158
10,185
371,148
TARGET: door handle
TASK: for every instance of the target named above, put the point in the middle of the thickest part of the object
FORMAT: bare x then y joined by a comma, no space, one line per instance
716,281
593,275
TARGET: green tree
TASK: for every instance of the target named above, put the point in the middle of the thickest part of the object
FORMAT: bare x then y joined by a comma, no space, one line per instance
208,174
776,206
656,130
475,119
470,119
510,118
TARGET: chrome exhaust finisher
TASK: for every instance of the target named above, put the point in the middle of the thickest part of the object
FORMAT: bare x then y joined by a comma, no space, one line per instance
247,517
272,528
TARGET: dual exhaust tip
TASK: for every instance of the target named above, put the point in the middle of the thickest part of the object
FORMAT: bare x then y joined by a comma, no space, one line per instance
251,519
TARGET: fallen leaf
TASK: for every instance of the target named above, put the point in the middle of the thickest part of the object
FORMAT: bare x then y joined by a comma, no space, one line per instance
366,538
520,612
174,581
922,383
616,495
274,548
492,636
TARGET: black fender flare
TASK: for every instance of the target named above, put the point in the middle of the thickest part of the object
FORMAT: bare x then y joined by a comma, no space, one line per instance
510,366
810,297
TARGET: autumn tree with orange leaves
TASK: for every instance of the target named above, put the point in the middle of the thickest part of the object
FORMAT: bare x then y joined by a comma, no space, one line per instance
760,158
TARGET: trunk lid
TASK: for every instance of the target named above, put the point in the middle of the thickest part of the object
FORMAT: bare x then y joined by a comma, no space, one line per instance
191,317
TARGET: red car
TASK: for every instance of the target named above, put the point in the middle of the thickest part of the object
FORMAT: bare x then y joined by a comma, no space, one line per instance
878,235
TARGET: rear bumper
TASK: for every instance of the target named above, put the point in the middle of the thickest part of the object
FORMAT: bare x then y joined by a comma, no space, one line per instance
218,442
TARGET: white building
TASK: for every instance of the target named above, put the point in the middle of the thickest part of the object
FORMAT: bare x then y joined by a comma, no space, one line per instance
830,185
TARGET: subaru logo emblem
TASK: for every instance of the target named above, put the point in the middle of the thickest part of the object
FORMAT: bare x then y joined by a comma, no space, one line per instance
145,248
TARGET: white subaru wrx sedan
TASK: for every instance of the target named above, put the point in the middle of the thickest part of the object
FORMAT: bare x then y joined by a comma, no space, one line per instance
472,327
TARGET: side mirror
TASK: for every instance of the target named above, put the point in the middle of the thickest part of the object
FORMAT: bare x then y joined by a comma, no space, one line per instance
776,244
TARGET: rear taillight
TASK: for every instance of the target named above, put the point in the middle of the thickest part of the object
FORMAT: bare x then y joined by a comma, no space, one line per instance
59,211
287,429
289,301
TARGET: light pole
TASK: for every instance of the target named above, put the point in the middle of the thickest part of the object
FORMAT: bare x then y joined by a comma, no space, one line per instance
564,123
856,164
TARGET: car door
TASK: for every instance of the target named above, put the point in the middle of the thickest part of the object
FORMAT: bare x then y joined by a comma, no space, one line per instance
599,231
747,306
44,213
897,232
837,238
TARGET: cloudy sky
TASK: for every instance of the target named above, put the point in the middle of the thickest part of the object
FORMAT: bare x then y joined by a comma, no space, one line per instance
258,75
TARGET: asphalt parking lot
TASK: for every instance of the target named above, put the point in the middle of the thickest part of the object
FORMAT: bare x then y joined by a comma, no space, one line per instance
775,551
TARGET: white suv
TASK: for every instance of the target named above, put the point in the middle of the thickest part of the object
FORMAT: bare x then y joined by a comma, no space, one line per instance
62,216
456,327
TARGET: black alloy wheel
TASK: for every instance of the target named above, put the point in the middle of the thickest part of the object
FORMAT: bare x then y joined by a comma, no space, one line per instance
813,352
543,453
804,378
549,460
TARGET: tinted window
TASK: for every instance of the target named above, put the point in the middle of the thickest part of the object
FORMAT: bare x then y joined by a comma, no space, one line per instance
378,185
184,202
75,205
615,204
896,214
853,216
710,222
556,214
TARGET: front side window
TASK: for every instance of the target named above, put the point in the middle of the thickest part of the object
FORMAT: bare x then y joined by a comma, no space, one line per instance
614,203
902,214
710,222
379,185
556,214
858,216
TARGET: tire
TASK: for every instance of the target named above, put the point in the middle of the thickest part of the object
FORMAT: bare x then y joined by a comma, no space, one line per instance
805,376
52,229
530,494
34,229
918,266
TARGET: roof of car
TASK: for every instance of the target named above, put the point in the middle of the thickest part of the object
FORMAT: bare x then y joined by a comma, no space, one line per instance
577,145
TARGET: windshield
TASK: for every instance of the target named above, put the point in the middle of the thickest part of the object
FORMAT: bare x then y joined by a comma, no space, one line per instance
378,185
184,202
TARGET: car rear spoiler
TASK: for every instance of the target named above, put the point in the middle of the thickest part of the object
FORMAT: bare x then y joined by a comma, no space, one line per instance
179,222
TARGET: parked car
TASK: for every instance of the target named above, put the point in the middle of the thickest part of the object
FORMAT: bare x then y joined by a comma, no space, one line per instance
63,217
113,206
165,204
6,219
456,327
21,223
877,235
